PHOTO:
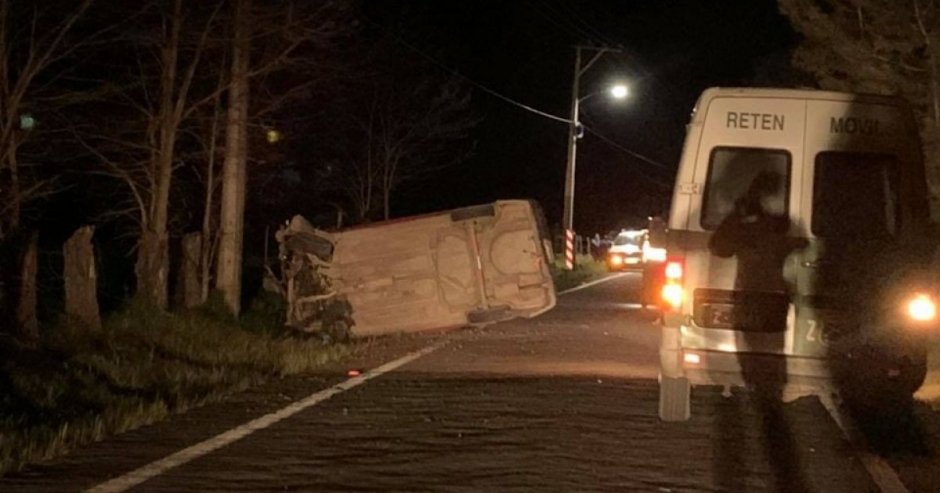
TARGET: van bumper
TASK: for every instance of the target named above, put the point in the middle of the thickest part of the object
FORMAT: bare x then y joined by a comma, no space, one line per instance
793,375
704,367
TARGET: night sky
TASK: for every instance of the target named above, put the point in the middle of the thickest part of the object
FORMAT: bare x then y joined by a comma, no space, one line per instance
523,49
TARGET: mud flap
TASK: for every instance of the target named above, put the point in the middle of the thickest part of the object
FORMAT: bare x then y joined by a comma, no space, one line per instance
674,399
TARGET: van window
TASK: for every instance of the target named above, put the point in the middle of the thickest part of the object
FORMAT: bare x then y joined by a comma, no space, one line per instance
736,172
855,195
628,239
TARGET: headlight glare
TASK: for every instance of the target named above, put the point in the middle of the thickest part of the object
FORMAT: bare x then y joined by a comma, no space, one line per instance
921,308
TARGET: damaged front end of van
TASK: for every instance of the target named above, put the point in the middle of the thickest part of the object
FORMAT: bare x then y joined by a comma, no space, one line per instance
313,303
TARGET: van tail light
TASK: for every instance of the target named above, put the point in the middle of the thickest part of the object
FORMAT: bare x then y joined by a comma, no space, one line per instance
674,270
672,293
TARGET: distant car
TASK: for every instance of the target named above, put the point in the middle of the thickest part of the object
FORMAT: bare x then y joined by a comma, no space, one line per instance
627,250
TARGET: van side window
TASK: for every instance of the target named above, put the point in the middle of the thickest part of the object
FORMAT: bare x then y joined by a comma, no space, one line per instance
731,173
855,195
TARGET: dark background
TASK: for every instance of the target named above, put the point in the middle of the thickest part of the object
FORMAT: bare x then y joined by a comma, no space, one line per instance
524,49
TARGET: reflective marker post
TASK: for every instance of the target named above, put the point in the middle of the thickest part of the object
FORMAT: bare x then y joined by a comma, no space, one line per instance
569,249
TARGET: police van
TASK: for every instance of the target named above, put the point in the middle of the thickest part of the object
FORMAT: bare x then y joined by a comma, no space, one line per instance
799,247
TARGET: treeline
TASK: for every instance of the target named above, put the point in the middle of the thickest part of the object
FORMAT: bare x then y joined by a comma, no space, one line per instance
166,118
876,46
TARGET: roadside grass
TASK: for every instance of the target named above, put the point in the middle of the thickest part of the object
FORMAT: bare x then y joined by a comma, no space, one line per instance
586,270
80,385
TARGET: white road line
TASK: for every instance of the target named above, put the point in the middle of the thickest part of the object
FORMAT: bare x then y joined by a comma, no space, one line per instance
156,468
592,283
879,470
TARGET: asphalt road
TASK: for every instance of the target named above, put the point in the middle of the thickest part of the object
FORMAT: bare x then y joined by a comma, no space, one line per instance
564,402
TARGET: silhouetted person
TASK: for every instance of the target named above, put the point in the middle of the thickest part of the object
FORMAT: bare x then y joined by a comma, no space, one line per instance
758,240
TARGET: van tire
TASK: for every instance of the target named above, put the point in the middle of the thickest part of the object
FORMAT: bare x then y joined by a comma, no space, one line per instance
474,212
675,399
488,316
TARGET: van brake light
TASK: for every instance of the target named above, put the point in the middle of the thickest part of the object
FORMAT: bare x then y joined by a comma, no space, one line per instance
672,292
674,270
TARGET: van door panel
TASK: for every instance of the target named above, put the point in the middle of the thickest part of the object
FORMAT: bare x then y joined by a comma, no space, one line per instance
713,279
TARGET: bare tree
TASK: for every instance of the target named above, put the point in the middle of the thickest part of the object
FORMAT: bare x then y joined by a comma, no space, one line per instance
282,41
882,46
405,136
28,49
140,148
234,172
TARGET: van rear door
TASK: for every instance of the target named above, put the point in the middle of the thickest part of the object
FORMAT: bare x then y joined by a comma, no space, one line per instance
739,301
859,158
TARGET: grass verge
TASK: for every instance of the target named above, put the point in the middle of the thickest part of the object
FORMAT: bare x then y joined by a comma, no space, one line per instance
80,385
586,270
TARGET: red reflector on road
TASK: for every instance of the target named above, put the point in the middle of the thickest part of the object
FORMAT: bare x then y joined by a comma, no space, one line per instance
354,373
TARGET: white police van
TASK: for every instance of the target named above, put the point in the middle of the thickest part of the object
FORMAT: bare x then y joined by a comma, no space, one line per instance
799,245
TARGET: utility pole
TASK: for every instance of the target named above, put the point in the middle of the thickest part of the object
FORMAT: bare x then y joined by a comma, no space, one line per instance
568,215
574,133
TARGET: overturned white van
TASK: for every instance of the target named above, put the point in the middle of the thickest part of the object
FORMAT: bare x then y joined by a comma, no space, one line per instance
799,247
470,266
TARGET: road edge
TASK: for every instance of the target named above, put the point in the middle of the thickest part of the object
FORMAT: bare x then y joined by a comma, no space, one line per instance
156,468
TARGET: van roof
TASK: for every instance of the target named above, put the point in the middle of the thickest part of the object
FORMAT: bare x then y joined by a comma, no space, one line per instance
802,94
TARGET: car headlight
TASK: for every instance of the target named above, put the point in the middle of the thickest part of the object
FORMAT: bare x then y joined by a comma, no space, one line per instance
921,308
616,259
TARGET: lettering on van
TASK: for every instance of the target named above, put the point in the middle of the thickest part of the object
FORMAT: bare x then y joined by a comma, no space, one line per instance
852,125
755,121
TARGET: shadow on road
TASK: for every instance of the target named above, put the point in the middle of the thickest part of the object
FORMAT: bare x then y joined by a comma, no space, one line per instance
757,239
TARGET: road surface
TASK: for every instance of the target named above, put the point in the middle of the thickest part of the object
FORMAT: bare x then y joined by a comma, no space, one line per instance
564,402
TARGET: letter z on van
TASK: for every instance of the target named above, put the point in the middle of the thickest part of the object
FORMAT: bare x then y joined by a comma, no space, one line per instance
755,121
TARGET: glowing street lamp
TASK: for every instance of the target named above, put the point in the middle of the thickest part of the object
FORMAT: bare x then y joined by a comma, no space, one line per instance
619,91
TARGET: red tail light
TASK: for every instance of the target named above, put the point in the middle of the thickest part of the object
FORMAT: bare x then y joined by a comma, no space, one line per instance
674,270
673,293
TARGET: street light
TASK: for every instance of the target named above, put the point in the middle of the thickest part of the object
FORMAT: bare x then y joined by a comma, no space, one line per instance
618,91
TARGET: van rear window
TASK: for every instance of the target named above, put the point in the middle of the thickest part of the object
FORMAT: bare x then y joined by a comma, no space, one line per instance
739,175
855,195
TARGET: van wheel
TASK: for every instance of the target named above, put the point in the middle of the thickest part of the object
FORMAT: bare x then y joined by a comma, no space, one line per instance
473,212
674,399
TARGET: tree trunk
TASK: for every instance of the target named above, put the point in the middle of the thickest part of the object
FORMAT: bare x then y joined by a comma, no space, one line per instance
208,232
152,255
385,200
229,267
27,323
81,288
190,287
152,266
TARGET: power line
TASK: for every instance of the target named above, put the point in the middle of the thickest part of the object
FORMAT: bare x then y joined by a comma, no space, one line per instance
476,84
628,151
524,106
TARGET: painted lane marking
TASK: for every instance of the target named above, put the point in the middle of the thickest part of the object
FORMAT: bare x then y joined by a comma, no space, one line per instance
156,468
594,283
880,471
